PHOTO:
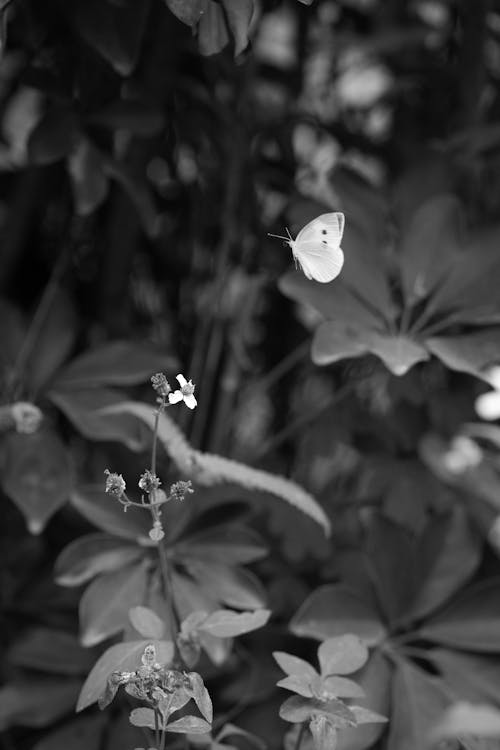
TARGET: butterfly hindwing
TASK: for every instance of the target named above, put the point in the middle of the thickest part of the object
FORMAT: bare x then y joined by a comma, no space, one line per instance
320,262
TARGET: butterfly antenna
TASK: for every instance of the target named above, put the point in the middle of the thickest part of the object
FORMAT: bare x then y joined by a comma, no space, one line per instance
280,236
288,233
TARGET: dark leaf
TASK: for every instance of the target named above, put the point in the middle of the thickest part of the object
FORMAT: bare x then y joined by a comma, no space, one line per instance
232,586
470,677
49,650
105,512
36,475
133,116
187,11
212,30
229,544
227,624
89,183
471,352
84,733
239,14
37,703
471,622
53,137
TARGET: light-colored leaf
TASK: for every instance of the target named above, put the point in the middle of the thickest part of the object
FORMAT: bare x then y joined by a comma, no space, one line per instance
91,555
147,623
298,709
106,513
189,725
297,684
124,657
227,624
342,687
143,717
106,602
471,352
292,665
342,654
365,716
201,696
336,609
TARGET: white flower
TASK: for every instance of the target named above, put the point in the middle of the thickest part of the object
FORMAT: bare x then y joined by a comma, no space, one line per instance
27,417
185,393
488,404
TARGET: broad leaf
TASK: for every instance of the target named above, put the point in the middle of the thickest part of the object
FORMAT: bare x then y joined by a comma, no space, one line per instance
49,650
298,709
448,553
147,622
37,702
342,687
91,555
343,654
471,353
232,586
292,665
201,696
365,716
124,657
238,14
105,512
213,35
189,725
297,684
187,11
118,363
470,677
227,624
229,544
36,475
375,679
144,717
85,409
336,609
418,700
106,602
471,622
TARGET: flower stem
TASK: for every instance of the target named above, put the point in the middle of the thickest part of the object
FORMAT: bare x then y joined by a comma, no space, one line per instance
300,735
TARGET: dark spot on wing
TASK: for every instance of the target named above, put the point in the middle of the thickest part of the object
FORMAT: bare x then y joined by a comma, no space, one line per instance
323,231
324,242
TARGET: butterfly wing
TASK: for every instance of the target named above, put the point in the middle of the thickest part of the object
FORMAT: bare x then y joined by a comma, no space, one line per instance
329,227
317,247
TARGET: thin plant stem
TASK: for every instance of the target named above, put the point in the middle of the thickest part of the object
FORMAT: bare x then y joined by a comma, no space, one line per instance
300,736
157,728
168,591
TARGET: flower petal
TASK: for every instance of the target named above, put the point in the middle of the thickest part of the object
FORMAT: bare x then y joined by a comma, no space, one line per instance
181,380
493,377
175,397
488,405
190,401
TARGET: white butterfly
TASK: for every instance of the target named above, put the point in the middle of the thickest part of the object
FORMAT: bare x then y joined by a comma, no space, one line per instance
317,247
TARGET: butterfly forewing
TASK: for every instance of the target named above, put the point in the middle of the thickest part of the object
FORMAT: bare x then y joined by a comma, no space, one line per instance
327,227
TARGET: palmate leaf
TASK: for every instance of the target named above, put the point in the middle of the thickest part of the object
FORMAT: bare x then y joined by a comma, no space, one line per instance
209,470
341,655
470,676
91,555
446,281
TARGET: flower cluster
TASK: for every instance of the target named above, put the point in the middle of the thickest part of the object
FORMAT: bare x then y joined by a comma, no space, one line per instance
180,489
115,484
160,385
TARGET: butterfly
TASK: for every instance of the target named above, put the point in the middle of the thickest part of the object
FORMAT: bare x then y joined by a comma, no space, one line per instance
316,249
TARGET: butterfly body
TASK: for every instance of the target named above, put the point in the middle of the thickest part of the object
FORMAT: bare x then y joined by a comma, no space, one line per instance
316,249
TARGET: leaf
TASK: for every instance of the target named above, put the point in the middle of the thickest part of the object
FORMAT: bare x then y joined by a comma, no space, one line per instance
147,623
471,622
36,475
391,560
239,15
417,701
143,717
118,363
337,340
50,650
292,665
375,679
189,725
342,687
106,513
469,676
187,11
471,353
365,716
53,137
229,544
343,654
36,703
297,684
105,604
335,609
84,733
430,245
115,30
448,553
89,184
208,470
85,409
201,696
298,709
466,718
226,624
91,555
232,586
212,30
124,657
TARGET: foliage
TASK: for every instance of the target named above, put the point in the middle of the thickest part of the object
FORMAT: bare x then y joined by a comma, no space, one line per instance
323,488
